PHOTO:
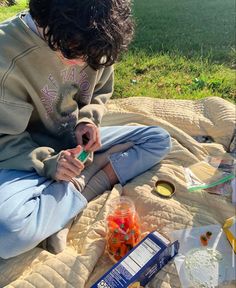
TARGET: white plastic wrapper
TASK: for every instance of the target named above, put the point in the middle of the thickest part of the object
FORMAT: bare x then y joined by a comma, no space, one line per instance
205,257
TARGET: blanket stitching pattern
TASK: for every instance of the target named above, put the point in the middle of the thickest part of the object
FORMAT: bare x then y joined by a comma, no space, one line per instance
83,261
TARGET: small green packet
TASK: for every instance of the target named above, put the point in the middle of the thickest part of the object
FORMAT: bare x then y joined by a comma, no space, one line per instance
83,156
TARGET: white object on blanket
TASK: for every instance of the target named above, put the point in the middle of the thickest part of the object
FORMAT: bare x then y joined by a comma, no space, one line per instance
204,266
233,184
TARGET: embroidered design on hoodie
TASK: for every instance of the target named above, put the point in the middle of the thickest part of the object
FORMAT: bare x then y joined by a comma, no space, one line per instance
62,102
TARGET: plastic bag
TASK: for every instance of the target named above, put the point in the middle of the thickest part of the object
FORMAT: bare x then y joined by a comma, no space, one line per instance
224,189
225,163
214,174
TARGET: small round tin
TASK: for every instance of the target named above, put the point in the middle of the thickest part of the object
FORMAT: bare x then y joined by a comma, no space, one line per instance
164,189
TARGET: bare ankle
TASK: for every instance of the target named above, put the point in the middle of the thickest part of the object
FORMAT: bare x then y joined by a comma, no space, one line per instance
108,169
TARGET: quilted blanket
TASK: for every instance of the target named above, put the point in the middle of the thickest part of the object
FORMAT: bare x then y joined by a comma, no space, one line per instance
85,260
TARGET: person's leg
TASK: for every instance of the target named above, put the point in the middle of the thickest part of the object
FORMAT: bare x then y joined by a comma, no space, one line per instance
126,152
151,145
146,146
100,160
33,208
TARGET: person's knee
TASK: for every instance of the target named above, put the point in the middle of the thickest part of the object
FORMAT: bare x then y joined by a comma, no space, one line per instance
162,138
17,234
15,242
6,221
15,245
156,145
166,138
16,219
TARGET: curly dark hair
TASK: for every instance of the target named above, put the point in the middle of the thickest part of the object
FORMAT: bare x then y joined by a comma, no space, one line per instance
96,30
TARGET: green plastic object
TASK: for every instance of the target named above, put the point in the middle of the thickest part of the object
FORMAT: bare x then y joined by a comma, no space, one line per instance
83,156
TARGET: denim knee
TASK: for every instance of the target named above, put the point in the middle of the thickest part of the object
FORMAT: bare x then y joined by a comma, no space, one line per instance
162,140
16,233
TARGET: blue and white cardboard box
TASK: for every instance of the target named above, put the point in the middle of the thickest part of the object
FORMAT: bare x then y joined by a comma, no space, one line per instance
141,264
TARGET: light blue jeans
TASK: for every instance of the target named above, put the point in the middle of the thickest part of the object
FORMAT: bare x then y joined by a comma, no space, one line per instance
33,207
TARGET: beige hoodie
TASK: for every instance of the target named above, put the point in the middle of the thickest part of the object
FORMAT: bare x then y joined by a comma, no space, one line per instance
42,100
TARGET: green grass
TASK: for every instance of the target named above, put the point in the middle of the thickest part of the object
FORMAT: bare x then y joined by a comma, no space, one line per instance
7,12
162,75
201,28
182,50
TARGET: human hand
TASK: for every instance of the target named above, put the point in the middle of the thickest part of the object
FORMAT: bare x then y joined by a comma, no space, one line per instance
68,166
91,133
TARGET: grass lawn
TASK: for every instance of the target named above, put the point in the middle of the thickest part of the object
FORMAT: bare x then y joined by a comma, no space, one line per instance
7,12
182,49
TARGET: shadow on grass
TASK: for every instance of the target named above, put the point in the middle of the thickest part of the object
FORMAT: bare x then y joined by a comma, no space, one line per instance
190,28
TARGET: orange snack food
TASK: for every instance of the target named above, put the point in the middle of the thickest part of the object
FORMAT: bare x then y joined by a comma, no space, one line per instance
203,240
208,234
123,228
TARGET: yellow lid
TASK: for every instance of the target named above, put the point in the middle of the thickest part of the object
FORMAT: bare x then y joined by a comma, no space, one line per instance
164,188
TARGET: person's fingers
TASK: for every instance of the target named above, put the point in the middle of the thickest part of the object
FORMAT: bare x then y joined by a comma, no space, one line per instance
65,174
96,143
75,151
77,165
65,169
79,138
94,147
70,168
91,139
63,178
68,156
88,136
60,176
80,134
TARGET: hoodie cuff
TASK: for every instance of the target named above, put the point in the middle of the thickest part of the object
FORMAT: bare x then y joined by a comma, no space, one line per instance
50,166
85,120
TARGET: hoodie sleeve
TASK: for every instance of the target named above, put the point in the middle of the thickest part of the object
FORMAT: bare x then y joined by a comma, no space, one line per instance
103,90
17,149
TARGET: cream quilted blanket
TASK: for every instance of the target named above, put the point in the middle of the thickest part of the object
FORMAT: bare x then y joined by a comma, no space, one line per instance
84,260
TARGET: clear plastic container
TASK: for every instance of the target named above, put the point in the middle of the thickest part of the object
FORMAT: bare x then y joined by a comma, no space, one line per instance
123,227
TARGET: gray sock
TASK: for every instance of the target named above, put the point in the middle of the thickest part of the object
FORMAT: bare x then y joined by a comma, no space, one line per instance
98,184
56,243
99,161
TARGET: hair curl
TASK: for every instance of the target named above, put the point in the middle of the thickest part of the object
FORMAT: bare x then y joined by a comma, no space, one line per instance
96,30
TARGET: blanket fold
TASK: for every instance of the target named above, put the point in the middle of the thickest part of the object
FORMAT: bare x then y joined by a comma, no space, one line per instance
84,260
